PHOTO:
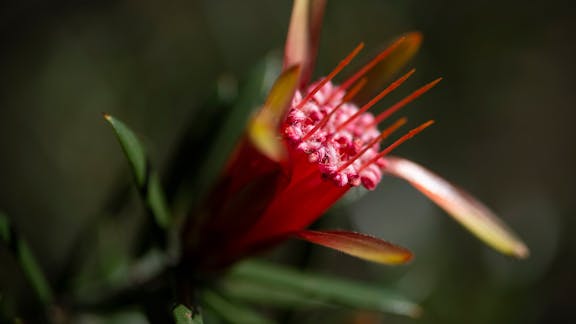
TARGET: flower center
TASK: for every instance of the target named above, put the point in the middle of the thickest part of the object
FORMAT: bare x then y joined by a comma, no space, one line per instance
343,143
342,139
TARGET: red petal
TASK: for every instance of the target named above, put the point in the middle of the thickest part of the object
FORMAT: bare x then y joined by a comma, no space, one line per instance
460,205
359,245
295,207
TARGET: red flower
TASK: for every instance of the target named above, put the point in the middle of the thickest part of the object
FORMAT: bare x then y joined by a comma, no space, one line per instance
307,146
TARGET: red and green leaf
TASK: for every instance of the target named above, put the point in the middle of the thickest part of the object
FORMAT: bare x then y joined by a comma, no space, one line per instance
359,245
465,209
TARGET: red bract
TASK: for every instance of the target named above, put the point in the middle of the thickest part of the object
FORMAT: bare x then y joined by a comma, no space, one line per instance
307,146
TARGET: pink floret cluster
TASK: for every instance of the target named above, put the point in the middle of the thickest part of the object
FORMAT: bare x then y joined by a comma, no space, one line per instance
329,147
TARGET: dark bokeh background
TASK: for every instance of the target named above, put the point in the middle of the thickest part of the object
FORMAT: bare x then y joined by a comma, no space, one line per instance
504,113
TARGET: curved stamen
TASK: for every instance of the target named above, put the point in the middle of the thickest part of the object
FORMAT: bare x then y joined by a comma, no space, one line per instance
375,100
397,143
411,97
332,74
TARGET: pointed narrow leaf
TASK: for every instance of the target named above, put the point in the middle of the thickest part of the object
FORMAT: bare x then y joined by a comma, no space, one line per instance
386,69
146,179
263,129
359,245
156,201
322,288
230,312
460,205
183,315
132,148
262,295
10,237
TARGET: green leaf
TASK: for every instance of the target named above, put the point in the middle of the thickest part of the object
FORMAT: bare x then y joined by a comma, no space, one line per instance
184,164
156,201
183,315
260,294
212,134
146,178
233,125
232,313
132,148
21,251
321,288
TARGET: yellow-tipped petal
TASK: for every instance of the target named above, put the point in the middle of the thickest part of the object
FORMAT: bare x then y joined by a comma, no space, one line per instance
359,245
266,139
281,94
471,213
263,128
379,75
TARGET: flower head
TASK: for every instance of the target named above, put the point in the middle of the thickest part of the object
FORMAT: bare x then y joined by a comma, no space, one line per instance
309,144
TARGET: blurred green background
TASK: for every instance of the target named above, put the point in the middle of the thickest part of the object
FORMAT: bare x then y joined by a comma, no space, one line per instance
504,112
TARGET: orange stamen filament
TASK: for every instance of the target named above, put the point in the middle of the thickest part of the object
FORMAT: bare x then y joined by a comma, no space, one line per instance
332,74
383,135
378,97
366,68
411,97
353,92
397,143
